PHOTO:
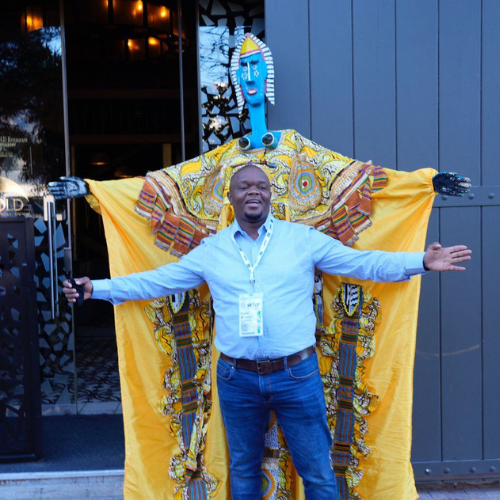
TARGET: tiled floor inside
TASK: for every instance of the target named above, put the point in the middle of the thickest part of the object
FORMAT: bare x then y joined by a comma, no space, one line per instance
97,372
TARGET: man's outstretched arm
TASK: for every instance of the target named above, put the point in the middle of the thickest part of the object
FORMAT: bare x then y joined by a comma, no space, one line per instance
332,257
166,280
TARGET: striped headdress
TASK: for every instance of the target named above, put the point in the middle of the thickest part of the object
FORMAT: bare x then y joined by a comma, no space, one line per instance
250,44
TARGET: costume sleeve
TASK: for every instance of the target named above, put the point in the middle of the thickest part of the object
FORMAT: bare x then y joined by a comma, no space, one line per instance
330,256
342,208
165,280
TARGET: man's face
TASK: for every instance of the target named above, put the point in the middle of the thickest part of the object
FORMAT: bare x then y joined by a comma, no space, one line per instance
250,194
252,75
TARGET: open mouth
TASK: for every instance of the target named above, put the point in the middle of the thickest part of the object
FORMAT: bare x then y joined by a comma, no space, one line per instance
253,202
252,91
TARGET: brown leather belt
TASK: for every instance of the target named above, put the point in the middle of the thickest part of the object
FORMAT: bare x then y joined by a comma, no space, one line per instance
269,365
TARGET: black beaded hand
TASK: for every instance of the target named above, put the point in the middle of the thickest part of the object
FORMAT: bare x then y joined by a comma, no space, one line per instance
68,187
451,184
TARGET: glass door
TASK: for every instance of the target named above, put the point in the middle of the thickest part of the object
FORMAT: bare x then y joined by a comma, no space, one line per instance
133,107
33,152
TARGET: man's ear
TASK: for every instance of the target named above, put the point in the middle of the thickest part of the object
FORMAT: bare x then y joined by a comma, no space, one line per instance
229,196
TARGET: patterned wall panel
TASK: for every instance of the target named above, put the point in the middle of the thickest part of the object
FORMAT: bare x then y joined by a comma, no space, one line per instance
221,24
19,376
56,339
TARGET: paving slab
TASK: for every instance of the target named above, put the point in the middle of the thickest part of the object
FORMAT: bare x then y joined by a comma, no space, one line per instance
70,485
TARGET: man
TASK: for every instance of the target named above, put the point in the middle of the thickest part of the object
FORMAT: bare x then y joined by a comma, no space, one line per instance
261,275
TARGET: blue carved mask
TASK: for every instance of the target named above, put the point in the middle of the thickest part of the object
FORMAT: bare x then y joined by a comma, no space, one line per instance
251,75
252,72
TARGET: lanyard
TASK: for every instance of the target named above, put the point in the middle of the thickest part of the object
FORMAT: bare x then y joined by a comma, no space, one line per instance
263,247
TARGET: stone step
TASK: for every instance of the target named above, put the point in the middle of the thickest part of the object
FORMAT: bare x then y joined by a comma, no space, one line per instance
67,485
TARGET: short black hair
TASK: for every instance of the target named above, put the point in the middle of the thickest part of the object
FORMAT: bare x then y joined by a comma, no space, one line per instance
243,168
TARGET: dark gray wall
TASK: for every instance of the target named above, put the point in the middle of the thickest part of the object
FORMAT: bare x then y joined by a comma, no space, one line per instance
408,85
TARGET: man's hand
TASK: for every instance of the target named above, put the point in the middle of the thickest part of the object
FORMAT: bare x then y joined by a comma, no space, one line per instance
437,258
68,187
72,295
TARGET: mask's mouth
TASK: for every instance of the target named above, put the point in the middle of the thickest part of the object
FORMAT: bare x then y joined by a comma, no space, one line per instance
251,91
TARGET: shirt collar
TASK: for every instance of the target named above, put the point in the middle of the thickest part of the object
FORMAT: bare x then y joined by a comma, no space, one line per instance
237,229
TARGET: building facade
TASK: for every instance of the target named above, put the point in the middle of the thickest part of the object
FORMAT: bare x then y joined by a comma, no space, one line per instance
112,89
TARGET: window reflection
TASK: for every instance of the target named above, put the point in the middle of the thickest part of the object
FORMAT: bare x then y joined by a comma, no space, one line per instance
134,30
32,19
31,117
128,12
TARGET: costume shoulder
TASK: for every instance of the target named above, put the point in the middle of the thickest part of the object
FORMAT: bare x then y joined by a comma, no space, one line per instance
185,202
332,192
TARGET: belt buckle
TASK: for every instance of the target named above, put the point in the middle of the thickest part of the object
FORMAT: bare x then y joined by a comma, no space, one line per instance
264,363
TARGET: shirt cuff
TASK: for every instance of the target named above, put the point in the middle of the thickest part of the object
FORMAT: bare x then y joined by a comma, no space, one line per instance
101,289
414,263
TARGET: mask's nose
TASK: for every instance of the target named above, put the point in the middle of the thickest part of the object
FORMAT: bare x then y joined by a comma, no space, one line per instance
251,76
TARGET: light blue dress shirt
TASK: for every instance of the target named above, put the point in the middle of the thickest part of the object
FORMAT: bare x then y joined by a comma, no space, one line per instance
284,275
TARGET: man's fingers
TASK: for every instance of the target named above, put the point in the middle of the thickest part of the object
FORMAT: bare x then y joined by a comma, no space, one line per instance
456,268
461,253
71,293
458,248
461,259
82,281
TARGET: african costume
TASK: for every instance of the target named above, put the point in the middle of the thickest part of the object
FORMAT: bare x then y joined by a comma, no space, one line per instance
365,336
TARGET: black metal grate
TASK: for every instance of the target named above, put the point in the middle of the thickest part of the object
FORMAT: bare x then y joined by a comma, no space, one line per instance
20,406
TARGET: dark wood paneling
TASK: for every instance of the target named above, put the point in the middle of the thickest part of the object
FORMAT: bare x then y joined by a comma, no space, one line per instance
331,75
461,340
417,84
491,93
375,81
491,330
459,86
287,34
427,376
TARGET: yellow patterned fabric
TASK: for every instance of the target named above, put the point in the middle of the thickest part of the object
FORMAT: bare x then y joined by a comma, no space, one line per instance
393,208
309,184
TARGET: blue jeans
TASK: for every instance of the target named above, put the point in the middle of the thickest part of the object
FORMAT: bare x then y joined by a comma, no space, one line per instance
296,396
